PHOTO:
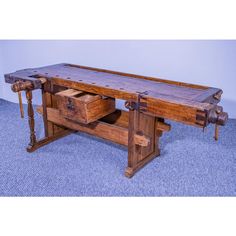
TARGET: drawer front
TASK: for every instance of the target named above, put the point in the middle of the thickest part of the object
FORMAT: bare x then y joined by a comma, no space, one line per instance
83,107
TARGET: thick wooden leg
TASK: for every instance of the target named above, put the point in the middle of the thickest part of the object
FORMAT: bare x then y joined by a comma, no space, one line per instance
138,156
50,101
52,132
44,105
31,118
48,140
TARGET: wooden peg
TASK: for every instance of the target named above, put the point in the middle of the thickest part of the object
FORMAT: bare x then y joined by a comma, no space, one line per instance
216,132
22,86
43,80
141,140
31,118
21,105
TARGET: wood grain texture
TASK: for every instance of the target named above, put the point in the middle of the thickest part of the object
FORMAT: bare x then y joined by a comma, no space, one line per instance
46,140
83,107
82,98
100,129
44,105
177,101
138,156
122,82
31,118
121,118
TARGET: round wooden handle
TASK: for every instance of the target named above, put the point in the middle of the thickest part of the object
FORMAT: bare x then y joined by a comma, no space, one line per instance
222,118
20,86
217,116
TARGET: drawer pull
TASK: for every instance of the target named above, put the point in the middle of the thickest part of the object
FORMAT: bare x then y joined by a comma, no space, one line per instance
83,107
70,105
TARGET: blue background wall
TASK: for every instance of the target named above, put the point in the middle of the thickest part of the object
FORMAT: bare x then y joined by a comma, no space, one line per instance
207,62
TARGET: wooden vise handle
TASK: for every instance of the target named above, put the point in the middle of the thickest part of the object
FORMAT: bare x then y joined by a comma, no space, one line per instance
217,116
25,85
21,86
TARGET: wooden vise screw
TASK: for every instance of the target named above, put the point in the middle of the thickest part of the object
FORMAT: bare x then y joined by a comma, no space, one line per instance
27,86
217,117
19,86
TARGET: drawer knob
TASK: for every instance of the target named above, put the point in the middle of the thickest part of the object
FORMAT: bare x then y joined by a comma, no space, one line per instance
70,105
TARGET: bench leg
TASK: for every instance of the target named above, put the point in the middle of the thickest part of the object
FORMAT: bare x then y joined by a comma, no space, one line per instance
139,156
51,133
41,142
31,118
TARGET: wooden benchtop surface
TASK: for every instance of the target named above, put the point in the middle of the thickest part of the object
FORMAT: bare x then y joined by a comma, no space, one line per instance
120,82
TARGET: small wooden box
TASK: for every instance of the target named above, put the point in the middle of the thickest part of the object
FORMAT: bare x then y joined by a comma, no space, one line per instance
83,107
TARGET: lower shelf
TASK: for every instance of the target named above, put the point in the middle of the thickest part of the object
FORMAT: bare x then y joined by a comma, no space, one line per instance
113,128
100,129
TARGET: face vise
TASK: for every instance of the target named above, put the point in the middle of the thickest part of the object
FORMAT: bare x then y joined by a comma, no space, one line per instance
218,117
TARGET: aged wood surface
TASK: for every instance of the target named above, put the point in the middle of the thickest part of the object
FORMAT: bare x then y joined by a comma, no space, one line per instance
122,82
44,104
178,101
44,141
80,98
83,107
21,104
114,133
31,118
139,156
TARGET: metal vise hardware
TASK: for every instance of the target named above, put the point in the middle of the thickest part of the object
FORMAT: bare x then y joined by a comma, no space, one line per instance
131,105
70,105
141,106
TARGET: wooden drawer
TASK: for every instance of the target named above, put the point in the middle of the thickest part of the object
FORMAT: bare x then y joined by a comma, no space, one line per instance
83,107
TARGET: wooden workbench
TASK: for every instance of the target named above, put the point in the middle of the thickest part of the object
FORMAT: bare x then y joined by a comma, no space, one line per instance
79,98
